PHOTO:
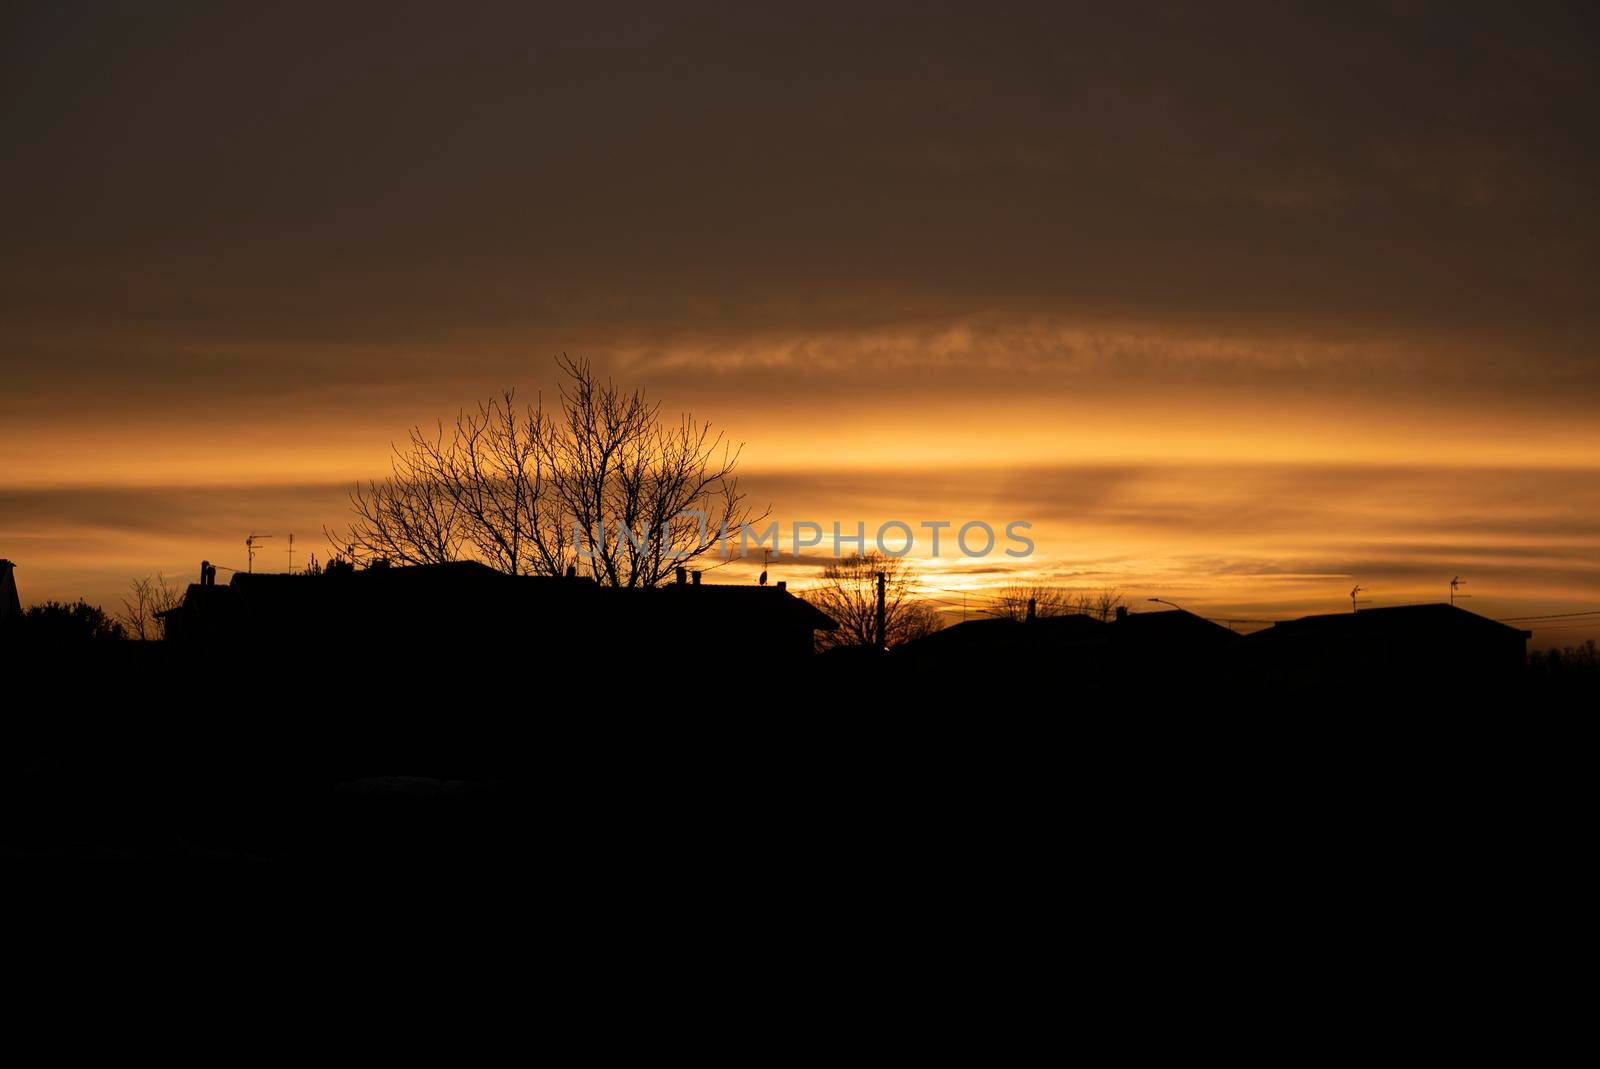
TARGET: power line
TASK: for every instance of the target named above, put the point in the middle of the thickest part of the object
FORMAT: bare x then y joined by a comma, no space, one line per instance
971,593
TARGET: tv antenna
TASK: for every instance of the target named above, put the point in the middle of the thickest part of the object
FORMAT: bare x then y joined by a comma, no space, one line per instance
291,552
767,557
1457,582
1353,602
250,550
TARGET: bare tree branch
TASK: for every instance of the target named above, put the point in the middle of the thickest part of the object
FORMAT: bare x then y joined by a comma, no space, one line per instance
508,486
147,597
847,590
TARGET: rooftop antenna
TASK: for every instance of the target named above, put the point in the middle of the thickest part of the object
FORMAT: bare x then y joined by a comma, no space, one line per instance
767,558
1353,602
1457,581
291,552
250,550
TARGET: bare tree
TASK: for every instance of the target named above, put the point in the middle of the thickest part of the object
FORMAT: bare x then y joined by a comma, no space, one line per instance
147,597
1011,603
847,590
605,485
410,517
1101,604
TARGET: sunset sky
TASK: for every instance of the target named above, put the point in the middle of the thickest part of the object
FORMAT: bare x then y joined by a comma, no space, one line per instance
1238,304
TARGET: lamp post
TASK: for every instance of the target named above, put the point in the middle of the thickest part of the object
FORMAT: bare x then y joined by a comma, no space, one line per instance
1164,601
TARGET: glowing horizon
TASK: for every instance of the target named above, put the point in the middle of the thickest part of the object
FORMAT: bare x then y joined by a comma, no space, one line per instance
1222,322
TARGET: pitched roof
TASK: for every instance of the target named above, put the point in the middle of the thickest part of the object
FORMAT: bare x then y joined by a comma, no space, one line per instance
463,598
730,599
202,600
982,633
1173,625
1047,637
10,606
1398,621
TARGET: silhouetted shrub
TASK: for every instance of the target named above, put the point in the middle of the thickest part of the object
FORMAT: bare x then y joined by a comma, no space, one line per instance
79,622
1565,674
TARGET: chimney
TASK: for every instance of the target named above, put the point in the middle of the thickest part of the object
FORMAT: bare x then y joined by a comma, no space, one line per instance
683,576
1122,612
572,571
1033,609
782,586
696,578
208,574
10,605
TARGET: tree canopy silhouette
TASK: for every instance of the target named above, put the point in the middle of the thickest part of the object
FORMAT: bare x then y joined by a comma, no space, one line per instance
847,590
604,484
54,621
1011,602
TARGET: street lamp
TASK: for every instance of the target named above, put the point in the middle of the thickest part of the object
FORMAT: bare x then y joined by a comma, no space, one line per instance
1164,601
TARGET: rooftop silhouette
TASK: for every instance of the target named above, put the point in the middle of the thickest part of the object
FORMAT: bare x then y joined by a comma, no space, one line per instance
465,602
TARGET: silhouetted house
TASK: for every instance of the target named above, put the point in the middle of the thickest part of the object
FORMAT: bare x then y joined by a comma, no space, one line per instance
10,604
1013,658
700,616
1414,647
1163,649
206,611
1174,650
1174,633
1002,642
468,606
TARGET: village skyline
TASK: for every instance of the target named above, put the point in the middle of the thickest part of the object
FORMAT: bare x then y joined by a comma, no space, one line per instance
383,381
1122,525
1240,306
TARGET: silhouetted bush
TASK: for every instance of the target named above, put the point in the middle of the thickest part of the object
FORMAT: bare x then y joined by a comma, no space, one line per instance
80,622
1570,662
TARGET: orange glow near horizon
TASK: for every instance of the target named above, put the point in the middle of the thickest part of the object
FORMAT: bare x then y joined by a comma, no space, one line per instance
1227,326
1246,504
